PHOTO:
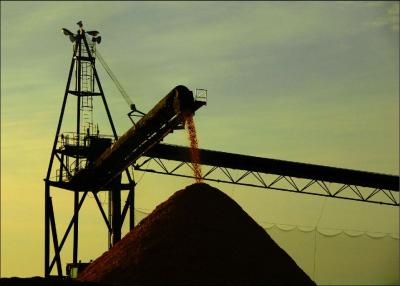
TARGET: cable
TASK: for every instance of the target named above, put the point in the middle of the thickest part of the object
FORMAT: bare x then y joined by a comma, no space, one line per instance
114,79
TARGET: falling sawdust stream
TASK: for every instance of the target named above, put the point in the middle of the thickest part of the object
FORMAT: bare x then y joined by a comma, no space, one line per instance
194,148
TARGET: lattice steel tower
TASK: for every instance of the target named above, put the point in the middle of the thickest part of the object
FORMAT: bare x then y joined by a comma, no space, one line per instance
74,151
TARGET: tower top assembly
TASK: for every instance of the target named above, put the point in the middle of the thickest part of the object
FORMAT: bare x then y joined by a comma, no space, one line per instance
73,37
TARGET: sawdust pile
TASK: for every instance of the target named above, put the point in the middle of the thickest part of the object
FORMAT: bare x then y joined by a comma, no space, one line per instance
199,236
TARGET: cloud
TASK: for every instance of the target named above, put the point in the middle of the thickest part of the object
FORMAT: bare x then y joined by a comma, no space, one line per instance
393,13
389,17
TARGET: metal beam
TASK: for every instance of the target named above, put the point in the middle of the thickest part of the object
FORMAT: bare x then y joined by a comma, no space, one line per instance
278,167
103,214
54,235
71,223
274,174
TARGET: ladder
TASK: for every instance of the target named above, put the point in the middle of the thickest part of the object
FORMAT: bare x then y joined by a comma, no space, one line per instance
87,85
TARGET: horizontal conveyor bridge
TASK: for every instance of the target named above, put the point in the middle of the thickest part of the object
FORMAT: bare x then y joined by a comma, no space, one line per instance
275,174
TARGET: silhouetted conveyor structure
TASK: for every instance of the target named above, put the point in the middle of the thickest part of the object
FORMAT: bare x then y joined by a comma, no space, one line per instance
275,174
85,161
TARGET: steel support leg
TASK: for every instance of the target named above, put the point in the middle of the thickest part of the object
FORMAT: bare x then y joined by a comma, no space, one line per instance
46,230
76,227
132,207
55,238
116,210
110,231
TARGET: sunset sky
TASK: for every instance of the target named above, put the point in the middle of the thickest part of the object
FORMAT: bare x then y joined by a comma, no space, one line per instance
313,82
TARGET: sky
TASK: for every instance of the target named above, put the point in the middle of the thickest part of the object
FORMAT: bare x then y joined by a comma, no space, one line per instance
313,82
